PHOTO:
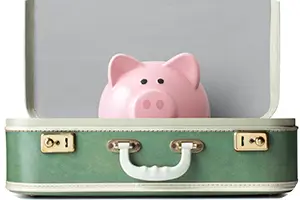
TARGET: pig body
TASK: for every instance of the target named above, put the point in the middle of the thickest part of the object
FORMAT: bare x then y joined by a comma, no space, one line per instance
168,89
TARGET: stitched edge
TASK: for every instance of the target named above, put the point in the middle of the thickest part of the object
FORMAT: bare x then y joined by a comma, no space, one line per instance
45,185
285,129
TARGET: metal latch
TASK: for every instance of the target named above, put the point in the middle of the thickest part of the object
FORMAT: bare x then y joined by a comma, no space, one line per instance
250,141
58,142
113,146
198,145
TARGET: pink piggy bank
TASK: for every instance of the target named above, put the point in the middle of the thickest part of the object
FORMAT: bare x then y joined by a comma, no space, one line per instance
169,89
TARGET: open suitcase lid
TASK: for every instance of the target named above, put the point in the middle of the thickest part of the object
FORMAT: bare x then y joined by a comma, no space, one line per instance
70,43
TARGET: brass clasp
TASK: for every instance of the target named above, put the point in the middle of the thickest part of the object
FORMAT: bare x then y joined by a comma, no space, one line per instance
57,142
250,141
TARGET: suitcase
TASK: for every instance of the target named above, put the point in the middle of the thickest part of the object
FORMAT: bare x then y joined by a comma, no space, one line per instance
65,149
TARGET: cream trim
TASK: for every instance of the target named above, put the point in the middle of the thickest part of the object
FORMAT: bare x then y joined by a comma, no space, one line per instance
176,124
183,129
139,122
153,187
274,58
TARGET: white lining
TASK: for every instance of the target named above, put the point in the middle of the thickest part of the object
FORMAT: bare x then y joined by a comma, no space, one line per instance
153,187
274,64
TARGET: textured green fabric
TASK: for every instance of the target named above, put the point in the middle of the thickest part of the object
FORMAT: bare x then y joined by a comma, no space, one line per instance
93,163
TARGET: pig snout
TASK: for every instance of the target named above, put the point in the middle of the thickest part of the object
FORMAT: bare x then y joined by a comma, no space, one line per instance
154,104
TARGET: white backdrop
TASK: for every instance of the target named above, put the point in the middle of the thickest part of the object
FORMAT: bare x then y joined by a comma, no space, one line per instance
12,72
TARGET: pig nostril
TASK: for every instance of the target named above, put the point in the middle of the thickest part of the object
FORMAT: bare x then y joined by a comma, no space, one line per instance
160,104
146,104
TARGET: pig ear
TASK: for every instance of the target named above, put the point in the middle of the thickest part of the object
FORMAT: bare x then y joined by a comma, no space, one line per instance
119,65
188,66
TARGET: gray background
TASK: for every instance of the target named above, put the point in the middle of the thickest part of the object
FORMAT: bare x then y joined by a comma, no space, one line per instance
75,39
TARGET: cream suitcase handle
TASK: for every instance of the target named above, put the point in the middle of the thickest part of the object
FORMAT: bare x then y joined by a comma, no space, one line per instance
155,173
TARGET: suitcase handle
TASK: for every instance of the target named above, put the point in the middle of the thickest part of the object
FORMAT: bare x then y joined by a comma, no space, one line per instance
155,173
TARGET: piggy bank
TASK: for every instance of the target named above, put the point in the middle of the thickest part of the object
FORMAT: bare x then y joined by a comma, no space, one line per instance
155,89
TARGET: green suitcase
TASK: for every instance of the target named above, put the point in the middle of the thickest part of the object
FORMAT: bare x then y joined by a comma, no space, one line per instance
222,159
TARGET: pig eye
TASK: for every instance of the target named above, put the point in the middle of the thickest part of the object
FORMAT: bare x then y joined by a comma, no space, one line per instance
160,81
144,81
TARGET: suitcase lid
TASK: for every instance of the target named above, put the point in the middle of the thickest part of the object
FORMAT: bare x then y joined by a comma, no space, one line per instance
69,45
